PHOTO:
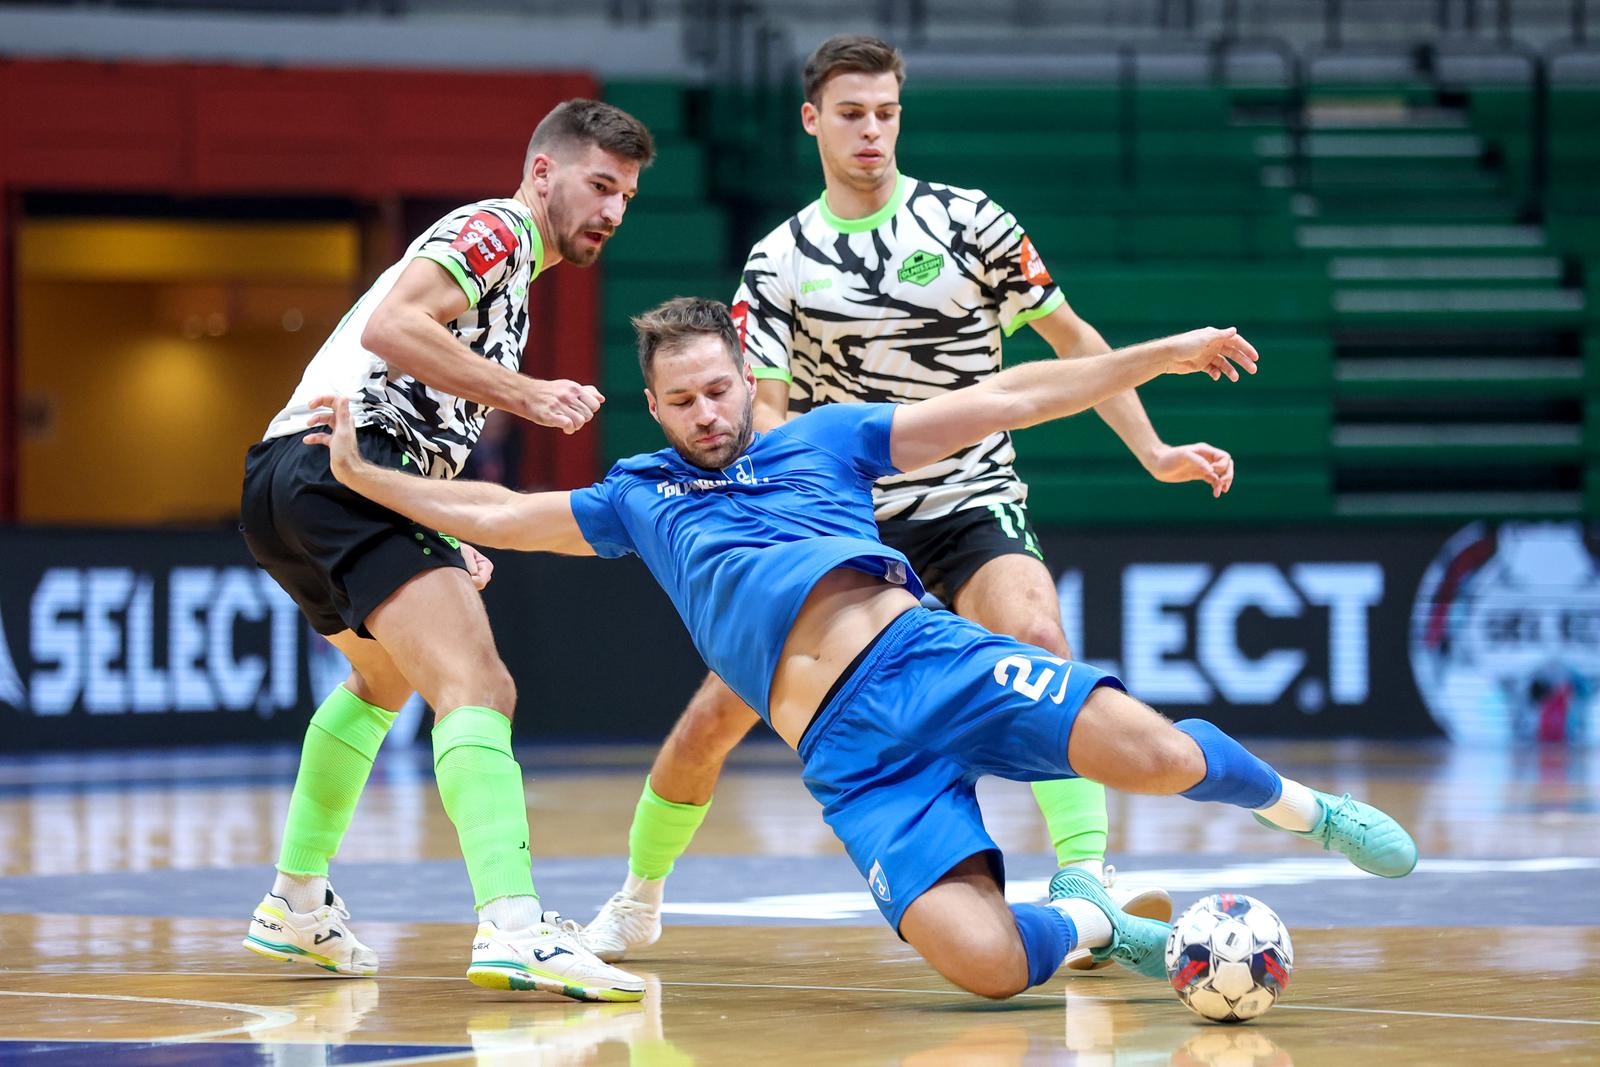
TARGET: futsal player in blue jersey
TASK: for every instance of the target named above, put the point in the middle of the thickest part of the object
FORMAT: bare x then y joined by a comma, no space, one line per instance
767,546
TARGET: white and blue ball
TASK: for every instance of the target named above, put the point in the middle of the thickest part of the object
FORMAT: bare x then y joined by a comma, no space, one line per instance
1229,957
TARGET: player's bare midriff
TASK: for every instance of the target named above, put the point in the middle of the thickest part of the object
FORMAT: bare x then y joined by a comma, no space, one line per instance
842,614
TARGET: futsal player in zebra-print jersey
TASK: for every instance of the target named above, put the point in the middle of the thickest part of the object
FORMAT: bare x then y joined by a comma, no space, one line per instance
889,288
423,356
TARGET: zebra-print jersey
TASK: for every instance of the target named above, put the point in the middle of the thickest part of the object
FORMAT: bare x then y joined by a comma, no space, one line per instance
493,251
901,306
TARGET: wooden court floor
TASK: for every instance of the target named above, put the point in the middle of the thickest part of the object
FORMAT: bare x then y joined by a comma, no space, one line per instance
125,883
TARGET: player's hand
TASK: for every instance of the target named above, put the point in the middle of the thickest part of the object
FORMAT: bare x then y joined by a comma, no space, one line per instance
1213,352
480,568
1198,462
340,437
561,404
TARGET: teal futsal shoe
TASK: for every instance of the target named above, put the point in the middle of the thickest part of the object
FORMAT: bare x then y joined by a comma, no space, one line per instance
1372,840
1138,944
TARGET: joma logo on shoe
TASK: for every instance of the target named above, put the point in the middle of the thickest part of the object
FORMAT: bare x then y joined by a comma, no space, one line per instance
546,957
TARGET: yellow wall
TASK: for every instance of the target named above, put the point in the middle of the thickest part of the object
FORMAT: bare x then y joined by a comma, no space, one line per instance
140,395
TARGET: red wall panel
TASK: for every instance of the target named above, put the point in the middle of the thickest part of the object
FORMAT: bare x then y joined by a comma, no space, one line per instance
282,131
82,126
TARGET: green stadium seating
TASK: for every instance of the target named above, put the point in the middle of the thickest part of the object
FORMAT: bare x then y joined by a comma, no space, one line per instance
661,105
656,237
1160,208
1255,431
1106,497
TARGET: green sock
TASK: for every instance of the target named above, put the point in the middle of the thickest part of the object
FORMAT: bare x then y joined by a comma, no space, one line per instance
481,786
1075,814
660,833
341,742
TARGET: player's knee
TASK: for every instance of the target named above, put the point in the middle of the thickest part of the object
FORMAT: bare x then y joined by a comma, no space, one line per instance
502,689
489,685
1174,760
996,970
997,988
1045,634
714,716
982,958
387,690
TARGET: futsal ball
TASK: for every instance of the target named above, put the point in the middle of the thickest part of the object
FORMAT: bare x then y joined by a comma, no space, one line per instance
1229,957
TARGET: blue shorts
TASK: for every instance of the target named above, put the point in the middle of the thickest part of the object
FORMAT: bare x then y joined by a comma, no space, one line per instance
936,704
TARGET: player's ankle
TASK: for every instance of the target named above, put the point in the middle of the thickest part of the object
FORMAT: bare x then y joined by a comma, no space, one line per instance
512,913
648,890
304,893
1093,926
1095,868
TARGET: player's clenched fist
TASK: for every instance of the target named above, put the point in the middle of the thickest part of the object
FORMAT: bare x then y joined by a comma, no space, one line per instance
561,404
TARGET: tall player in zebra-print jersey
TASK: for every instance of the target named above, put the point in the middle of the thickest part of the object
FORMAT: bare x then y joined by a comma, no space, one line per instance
889,288
423,356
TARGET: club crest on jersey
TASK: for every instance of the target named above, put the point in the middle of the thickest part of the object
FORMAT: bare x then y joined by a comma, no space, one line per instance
879,883
920,268
741,473
485,241
1032,266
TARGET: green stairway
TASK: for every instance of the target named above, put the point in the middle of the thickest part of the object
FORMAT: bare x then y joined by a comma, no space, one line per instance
1458,323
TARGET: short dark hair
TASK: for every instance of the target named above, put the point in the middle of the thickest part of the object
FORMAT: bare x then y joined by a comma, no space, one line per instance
850,54
681,319
585,122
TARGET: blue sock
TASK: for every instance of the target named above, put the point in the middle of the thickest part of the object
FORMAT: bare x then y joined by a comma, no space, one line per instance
1233,774
1047,936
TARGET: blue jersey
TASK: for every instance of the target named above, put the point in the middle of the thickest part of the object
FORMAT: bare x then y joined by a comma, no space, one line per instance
738,550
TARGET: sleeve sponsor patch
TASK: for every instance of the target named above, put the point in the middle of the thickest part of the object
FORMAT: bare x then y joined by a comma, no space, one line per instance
740,313
486,241
1032,266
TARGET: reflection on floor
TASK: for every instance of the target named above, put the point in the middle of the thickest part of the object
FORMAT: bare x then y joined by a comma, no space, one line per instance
128,880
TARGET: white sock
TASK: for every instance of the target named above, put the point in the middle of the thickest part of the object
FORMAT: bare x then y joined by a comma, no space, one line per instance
512,913
1094,925
649,890
1297,809
302,892
1094,867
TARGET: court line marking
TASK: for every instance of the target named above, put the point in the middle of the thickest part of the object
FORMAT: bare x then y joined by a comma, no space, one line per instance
807,988
270,1018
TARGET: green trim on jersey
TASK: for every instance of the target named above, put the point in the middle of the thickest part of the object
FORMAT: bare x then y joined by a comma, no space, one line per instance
773,372
1024,317
455,272
902,192
538,245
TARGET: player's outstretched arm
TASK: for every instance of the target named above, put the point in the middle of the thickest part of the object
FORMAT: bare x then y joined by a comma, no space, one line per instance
479,512
1032,393
406,330
1070,337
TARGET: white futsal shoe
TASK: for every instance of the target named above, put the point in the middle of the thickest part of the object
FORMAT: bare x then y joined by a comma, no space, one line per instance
547,956
624,923
321,938
1151,902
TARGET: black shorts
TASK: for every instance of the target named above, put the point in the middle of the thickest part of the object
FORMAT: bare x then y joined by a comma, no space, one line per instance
946,552
335,552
